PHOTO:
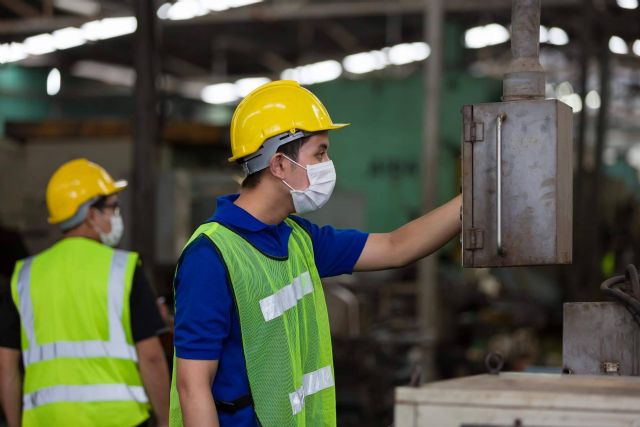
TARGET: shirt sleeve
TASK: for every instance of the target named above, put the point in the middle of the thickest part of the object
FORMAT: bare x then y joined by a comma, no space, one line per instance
336,250
9,321
146,321
203,302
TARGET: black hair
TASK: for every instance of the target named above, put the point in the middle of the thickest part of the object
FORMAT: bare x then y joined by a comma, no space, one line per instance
100,203
291,150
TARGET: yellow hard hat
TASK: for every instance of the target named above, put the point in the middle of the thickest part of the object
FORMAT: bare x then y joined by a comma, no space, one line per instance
75,183
273,109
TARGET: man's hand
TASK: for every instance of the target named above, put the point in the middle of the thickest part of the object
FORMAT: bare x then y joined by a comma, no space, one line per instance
412,241
194,379
155,377
11,386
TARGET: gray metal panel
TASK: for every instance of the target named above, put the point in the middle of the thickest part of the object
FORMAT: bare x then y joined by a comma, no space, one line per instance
595,333
536,184
564,213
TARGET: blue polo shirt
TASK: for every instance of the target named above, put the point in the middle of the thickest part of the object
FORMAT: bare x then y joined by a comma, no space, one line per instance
207,326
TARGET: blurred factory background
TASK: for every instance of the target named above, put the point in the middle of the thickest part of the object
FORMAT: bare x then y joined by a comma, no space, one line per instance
147,89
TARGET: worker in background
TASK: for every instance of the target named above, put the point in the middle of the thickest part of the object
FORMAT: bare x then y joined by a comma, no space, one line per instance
252,338
83,318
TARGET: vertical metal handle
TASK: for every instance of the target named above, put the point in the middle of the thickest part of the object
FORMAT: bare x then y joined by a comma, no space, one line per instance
501,117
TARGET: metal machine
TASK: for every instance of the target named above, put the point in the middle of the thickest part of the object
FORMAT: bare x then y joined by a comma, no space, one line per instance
603,338
517,164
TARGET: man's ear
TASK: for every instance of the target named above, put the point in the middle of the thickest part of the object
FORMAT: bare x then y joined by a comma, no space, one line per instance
277,166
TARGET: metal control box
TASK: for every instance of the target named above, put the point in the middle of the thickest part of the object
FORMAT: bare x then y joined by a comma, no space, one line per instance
517,183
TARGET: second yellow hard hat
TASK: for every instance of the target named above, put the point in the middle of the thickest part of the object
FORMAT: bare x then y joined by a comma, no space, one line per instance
75,183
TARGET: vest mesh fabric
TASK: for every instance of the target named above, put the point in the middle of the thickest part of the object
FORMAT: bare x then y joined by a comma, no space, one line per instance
284,326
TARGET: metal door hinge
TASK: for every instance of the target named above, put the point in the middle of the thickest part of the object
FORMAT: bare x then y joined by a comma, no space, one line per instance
473,131
474,239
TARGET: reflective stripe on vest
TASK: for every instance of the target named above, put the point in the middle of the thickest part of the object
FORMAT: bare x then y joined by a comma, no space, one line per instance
312,382
286,298
84,393
117,346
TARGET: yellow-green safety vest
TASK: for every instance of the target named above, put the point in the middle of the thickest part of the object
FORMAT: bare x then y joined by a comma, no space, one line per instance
79,357
284,326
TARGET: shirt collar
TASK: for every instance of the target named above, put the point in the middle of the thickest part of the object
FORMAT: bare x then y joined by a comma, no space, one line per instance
228,213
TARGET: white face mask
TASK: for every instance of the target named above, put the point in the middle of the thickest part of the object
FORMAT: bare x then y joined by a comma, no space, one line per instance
322,180
113,237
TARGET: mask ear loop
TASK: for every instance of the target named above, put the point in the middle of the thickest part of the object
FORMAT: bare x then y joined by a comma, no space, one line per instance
297,164
293,161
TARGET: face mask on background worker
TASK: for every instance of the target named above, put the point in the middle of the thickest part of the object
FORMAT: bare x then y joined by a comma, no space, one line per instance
322,180
112,238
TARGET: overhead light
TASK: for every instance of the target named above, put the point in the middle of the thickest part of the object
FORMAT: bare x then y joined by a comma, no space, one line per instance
222,5
109,28
186,9
558,36
40,44
241,3
12,52
68,37
365,62
618,45
189,9
564,89
216,5
163,11
636,47
628,4
105,72
487,35
406,53
221,93
245,86
53,82
496,34
544,34
574,101
592,100
319,72
633,156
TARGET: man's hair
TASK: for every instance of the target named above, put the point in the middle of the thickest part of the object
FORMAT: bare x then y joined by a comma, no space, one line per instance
291,150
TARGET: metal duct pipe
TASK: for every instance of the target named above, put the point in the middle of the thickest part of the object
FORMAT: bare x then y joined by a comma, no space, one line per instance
525,77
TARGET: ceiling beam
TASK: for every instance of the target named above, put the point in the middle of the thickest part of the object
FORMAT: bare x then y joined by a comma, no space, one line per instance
273,12
321,10
20,7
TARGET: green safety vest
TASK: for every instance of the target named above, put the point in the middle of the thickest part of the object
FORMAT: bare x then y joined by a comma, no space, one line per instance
79,357
285,329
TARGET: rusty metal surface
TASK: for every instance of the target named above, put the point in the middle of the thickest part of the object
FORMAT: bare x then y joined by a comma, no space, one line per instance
525,77
536,184
600,338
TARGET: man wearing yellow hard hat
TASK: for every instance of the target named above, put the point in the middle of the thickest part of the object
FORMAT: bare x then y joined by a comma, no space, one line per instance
252,339
83,318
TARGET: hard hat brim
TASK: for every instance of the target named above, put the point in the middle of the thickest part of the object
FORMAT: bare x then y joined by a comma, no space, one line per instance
334,126
120,185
